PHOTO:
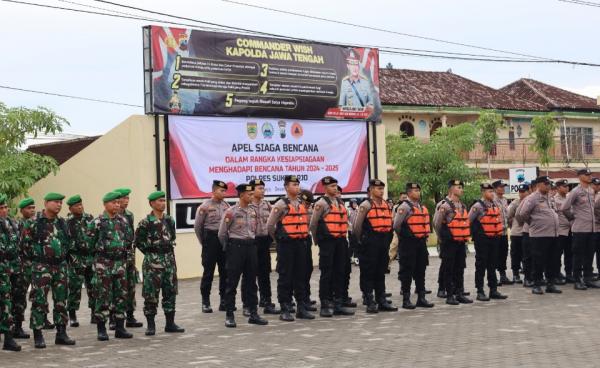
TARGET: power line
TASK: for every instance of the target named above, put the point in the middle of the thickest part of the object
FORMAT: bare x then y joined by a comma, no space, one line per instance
69,96
578,2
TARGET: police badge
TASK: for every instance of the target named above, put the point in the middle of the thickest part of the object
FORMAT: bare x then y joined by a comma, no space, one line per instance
252,129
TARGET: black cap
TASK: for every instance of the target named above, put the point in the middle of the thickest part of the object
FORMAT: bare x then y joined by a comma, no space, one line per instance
595,181
307,196
220,184
561,182
376,183
485,186
498,184
241,188
585,171
543,179
410,186
257,182
328,180
523,187
291,179
454,182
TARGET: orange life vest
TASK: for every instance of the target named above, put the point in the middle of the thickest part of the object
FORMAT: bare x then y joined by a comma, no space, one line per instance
459,227
419,223
294,224
379,217
491,223
336,221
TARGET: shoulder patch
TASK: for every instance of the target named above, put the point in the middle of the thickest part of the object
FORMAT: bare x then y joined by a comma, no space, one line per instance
318,207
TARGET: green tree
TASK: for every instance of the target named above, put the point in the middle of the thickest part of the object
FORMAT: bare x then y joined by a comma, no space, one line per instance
542,132
488,125
432,164
20,169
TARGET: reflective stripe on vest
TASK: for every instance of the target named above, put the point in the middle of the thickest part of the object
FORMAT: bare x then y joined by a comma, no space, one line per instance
491,223
336,221
459,226
294,224
418,222
380,217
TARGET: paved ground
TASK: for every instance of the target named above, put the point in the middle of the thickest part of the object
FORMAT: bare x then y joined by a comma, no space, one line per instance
525,330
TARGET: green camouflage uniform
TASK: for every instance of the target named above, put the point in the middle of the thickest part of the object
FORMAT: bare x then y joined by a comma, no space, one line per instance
81,261
20,287
46,243
156,239
131,272
9,258
18,279
110,239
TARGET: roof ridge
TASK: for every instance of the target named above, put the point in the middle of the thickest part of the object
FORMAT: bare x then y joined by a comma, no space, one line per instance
540,93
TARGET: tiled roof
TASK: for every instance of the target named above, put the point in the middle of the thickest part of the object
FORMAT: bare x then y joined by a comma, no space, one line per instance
550,96
424,88
61,151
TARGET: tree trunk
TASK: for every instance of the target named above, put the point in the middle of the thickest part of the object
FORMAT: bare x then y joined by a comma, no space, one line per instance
489,166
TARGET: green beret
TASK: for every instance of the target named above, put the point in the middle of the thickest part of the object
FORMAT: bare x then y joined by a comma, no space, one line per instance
74,200
123,192
156,195
26,202
111,196
54,197
3,199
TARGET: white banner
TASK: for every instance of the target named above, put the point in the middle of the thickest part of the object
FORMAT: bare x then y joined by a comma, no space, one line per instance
520,175
237,150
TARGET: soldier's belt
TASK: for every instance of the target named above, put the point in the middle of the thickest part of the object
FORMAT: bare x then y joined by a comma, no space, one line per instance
114,256
242,242
161,250
49,261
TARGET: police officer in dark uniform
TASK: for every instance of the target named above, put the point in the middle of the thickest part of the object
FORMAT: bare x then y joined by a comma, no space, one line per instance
516,234
502,203
564,230
237,233
412,226
308,199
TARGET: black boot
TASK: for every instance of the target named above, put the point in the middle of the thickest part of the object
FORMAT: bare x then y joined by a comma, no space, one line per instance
48,325
451,300
481,296
171,326
61,336
255,319
222,307
206,308
38,339
442,294
18,332
406,303
552,289
385,306
9,343
246,311
528,283
348,303
271,308
302,313
101,328
340,310
73,319
150,325
463,299
580,285
285,315
495,294
112,325
230,320
422,302
570,279
537,290
517,278
309,306
503,279
326,309
120,331
131,321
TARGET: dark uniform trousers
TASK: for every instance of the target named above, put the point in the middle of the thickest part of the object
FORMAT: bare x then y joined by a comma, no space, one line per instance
241,260
263,270
347,271
526,244
453,256
333,254
502,253
565,247
212,256
583,254
543,251
597,251
291,266
516,253
374,262
308,270
486,254
413,258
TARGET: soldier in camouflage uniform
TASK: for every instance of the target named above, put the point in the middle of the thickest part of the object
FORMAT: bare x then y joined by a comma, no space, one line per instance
9,264
80,259
109,235
46,242
132,272
155,238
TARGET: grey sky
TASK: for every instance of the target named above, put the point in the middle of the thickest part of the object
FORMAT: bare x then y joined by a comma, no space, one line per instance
101,57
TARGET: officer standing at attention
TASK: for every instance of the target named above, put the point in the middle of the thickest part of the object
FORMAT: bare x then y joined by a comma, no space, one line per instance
80,259
502,203
451,224
9,268
155,238
580,203
109,234
596,187
412,226
373,230
46,241
329,229
541,215
307,199
394,245
525,243
206,226
288,225
516,234
564,230
237,233
486,227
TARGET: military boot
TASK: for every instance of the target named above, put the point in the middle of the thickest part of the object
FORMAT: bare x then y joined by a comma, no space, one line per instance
309,306
302,313
245,311
150,325
255,319
422,302
9,343
131,321
48,325
73,319
111,322
441,293
206,308
270,308
340,310
230,320
120,331
552,289
406,303
385,306
101,328
285,315
495,294
61,336
38,339
326,309
462,299
348,303
18,332
503,279
481,296
171,326
537,290
451,300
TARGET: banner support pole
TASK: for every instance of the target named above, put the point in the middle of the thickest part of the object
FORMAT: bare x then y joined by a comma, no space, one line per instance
157,150
375,162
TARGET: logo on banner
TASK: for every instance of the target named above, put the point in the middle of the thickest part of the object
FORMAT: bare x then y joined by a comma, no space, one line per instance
252,129
297,130
281,124
267,130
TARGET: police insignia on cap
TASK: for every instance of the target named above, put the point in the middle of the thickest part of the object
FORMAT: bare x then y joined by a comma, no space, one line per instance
376,183
485,186
585,171
220,184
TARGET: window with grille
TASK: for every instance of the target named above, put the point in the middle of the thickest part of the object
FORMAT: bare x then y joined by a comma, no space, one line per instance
576,141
